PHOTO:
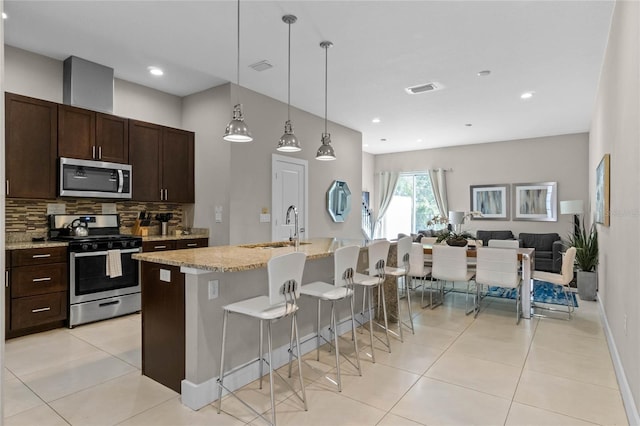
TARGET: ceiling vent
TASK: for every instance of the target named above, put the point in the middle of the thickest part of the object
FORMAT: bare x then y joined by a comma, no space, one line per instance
261,66
422,88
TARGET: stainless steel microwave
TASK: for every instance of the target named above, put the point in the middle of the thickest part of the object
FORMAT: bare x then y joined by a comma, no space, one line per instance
96,179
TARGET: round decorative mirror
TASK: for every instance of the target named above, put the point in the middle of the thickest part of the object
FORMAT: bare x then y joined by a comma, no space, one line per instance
338,200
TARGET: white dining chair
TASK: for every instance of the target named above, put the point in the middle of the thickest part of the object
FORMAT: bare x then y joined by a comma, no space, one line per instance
498,267
510,244
562,279
450,265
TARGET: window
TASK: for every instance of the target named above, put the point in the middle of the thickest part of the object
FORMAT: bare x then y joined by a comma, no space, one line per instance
412,206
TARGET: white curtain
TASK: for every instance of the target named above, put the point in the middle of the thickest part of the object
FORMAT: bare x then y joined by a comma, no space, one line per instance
387,182
439,185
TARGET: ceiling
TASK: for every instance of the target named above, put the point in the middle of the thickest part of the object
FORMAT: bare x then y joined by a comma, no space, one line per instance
553,48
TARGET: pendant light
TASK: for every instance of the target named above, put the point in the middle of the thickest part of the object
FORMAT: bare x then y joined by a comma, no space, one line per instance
237,130
288,141
325,152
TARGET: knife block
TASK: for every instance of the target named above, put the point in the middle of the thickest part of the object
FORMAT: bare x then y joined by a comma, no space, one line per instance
140,230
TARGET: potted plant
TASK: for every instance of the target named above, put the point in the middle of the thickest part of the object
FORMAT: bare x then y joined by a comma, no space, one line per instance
586,244
454,238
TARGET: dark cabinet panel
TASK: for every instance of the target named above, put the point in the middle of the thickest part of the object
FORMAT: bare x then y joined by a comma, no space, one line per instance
39,279
177,166
31,128
76,132
38,310
163,325
112,138
192,243
145,141
38,256
163,245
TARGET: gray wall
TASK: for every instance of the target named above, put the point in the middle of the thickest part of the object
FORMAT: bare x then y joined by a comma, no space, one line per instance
616,130
561,159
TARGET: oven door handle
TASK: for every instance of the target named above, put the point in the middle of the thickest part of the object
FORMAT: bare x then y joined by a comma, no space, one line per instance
103,253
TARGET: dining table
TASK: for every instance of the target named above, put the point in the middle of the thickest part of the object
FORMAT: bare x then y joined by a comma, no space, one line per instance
526,257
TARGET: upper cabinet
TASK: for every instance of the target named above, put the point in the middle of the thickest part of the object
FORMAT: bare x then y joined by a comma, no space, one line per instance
163,163
30,147
91,135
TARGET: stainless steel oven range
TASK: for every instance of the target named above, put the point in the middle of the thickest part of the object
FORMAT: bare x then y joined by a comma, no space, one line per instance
103,278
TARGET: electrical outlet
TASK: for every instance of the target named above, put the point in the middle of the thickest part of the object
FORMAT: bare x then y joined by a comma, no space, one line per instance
625,324
213,289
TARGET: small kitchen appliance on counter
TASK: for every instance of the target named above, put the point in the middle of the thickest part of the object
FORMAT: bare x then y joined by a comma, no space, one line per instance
103,278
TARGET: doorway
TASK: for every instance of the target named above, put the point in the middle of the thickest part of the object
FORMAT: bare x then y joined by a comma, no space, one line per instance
289,185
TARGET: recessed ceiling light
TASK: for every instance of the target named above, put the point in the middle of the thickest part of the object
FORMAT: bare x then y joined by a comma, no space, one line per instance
4,15
484,73
468,124
419,140
375,120
527,95
383,140
155,71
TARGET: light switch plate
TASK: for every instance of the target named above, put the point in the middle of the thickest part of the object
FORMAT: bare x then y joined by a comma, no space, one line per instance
265,218
213,289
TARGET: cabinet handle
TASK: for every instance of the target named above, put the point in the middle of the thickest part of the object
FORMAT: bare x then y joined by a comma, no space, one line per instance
93,152
192,245
39,280
166,195
40,256
160,247
6,279
7,186
161,195
35,311
99,153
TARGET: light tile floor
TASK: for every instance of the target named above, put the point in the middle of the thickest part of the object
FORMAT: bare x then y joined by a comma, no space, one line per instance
455,370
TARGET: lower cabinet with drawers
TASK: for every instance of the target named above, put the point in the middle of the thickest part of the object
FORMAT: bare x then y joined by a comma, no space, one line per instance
36,289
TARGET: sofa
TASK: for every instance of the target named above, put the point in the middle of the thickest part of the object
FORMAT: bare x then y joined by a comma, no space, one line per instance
548,254
485,236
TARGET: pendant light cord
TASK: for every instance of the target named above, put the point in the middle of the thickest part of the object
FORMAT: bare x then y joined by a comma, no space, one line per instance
289,77
238,59
326,72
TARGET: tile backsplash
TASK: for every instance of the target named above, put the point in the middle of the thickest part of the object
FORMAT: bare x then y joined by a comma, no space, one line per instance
30,216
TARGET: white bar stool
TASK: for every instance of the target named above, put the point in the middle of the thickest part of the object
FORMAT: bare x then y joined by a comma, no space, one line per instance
284,275
345,263
378,252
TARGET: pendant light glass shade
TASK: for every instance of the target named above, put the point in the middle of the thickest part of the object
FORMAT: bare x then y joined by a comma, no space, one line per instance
325,152
237,130
288,141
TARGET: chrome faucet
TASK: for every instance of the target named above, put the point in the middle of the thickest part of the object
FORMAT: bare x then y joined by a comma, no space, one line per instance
296,236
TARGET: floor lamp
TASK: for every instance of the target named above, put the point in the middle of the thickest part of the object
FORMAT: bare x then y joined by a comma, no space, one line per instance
574,207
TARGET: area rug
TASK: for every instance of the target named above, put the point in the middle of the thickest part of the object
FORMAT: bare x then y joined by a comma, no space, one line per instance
543,292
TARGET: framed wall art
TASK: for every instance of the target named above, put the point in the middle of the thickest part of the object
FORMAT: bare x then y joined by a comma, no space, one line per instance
602,191
535,201
490,200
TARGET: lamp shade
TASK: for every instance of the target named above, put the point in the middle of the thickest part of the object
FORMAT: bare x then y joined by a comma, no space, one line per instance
456,218
572,207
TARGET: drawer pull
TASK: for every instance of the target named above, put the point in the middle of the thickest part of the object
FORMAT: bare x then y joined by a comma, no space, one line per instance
40,256
35,311
113,302
192,245
39,280
160,247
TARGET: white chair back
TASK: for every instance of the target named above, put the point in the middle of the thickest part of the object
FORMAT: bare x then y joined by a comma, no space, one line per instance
378,250
449,263
416,260
343,259
404,249
567,265
511,244
283,269
497,267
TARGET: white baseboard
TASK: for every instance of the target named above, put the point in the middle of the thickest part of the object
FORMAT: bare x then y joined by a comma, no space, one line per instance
625,390
196,396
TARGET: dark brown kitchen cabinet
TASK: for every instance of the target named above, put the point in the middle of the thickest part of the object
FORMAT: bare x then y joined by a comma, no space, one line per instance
192,243
163,324
164,245
36,290
162,159
31,129
91,135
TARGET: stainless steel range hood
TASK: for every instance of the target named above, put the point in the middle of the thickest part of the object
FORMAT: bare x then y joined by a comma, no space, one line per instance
88,85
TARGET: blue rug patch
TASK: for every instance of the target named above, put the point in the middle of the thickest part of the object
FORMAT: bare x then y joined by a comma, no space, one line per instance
543,292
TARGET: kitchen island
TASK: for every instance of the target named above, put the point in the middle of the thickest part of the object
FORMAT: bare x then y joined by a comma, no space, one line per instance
183,293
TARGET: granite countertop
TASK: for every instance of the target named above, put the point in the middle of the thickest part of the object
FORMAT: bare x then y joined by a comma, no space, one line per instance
34,245
244,257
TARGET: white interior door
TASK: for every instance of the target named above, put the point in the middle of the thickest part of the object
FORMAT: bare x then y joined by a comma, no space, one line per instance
288,188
